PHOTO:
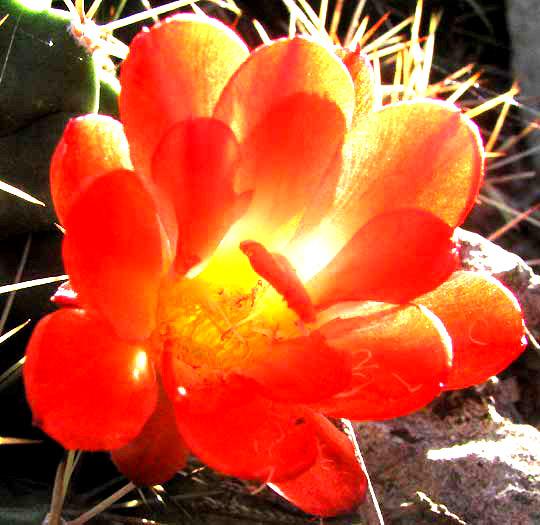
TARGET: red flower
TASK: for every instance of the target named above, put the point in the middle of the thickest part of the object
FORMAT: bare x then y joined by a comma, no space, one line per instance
271,249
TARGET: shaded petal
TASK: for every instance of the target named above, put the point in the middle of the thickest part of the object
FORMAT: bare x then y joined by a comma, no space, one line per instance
175,71
87,389
301,370
194,165
421,154
91,146
233,429
335,483
395,257
401,358
485,323
158,452
113,252
288,105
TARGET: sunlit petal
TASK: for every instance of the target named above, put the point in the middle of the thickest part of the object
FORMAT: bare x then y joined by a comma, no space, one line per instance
158,452
87,388
235,430
401,359
335,483
113,252
289,105
485,323
421,154
393,258
364,82
91,146
302,370
174,71
195,164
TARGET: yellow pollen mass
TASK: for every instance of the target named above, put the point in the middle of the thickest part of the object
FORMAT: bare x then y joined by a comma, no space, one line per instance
205,324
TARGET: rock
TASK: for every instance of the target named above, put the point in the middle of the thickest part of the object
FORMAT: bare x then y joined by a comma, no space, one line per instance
481,255
523,19
453,463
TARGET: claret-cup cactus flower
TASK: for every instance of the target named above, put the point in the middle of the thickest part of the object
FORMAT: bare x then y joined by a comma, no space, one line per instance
254,248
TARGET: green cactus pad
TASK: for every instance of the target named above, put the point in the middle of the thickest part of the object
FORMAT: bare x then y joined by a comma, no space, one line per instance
43,69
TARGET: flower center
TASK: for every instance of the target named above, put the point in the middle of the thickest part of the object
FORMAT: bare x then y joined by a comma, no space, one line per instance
221,323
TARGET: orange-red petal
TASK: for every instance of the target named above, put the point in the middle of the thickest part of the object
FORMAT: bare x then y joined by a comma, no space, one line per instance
335,483
278,70
421,154
113,252
363,80
232,428
401,359
301,370
289,105
87,388
286,156
158,452
90,146
395,257
194,164
174,71
485,323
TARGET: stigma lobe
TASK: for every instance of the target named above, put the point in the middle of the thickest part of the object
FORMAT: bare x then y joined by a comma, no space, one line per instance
277,270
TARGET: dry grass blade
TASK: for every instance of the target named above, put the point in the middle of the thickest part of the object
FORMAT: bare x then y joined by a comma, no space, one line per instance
513,158
12,332
463,87
354,23
513,177
507,97
499,124
144,15
372,30
18,275
11,374
500,205
8,188
18,441
514,139
370,510
513,223
106,503
29,284
386,37
261,31
306,22
336,17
